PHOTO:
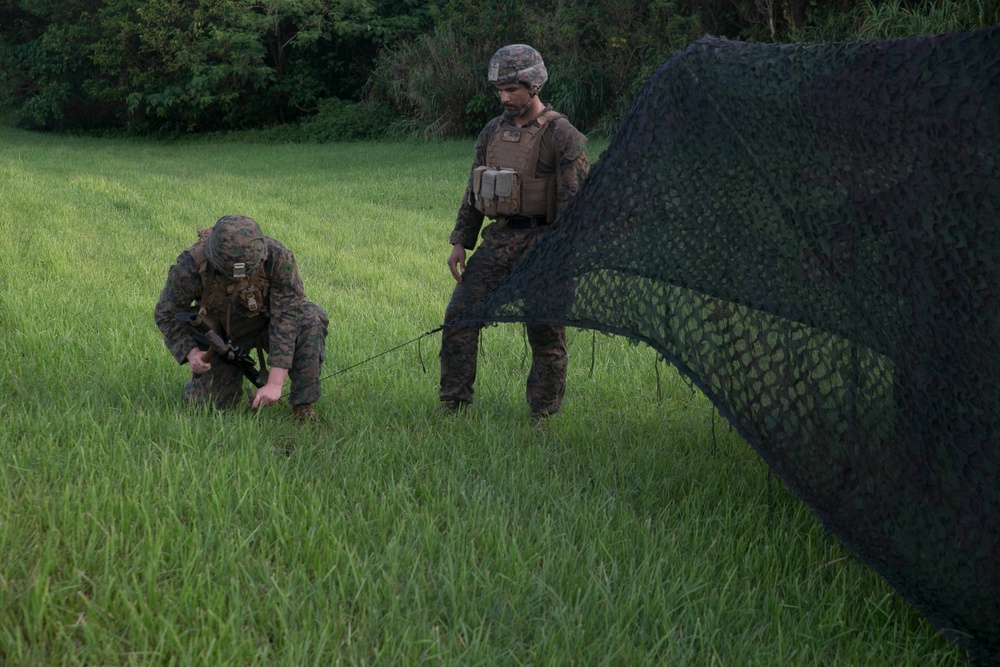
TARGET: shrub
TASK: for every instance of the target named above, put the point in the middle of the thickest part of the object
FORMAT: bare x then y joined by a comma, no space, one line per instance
342,120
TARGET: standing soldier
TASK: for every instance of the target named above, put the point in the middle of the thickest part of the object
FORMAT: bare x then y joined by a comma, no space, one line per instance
529,162
243,289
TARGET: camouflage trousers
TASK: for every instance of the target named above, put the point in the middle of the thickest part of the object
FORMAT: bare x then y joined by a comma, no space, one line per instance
223,385
489,264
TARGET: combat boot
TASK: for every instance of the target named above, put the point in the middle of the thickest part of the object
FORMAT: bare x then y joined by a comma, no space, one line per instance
453,407
539,420
305,414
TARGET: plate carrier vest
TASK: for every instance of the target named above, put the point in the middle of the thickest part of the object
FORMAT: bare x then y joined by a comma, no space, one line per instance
235,308
507,184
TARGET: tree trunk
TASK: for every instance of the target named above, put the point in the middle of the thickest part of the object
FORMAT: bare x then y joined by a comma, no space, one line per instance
795,13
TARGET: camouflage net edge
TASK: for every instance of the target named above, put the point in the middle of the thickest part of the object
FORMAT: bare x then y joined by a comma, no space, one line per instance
810,234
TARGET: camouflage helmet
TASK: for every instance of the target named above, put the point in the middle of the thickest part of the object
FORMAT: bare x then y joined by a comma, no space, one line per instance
235,246
518,63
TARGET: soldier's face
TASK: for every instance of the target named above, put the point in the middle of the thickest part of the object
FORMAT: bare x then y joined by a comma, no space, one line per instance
514,97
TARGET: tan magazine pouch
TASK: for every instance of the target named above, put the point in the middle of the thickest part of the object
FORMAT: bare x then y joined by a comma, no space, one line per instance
497,191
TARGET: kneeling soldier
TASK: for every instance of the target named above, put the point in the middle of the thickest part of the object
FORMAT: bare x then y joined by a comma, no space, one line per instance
244,290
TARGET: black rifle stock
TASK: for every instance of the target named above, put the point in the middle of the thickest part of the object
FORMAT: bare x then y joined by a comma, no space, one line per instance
231,354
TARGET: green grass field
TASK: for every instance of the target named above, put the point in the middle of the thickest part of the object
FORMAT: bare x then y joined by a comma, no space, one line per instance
638,529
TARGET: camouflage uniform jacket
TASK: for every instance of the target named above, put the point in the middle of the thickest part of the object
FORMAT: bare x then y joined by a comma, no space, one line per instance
563,151
284,304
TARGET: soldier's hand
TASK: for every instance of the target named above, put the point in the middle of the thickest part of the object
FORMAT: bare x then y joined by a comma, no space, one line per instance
199,361
270,393
266,395
456,261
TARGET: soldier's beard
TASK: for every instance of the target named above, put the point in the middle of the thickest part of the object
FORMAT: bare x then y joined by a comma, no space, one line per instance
515,111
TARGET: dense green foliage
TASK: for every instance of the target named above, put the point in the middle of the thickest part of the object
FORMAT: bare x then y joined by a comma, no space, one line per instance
210,65
190,65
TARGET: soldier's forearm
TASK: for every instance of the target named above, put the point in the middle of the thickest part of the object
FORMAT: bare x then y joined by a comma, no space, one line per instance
276,376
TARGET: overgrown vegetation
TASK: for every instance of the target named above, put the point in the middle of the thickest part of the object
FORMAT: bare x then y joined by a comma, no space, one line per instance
184,66
636,530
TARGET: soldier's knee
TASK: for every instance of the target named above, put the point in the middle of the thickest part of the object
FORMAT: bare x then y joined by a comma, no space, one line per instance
315,315
196,393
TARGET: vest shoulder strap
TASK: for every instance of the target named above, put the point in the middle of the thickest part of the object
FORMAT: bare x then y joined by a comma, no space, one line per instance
198,251
549,115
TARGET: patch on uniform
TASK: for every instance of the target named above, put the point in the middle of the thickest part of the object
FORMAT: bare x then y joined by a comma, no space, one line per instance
511,135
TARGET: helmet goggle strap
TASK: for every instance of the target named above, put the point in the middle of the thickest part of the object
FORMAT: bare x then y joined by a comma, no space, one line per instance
239,270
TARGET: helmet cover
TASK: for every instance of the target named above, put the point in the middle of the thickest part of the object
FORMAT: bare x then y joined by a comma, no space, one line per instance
518,63
235,246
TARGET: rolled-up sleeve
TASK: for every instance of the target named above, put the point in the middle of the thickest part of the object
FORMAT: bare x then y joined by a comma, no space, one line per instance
469,220
182,288
287,296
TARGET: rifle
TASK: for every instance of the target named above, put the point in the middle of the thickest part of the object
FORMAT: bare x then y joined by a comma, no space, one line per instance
231,354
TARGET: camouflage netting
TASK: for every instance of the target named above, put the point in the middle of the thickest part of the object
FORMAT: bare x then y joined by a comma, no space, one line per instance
810,234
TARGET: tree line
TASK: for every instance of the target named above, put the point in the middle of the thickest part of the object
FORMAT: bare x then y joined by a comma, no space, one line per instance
348,69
